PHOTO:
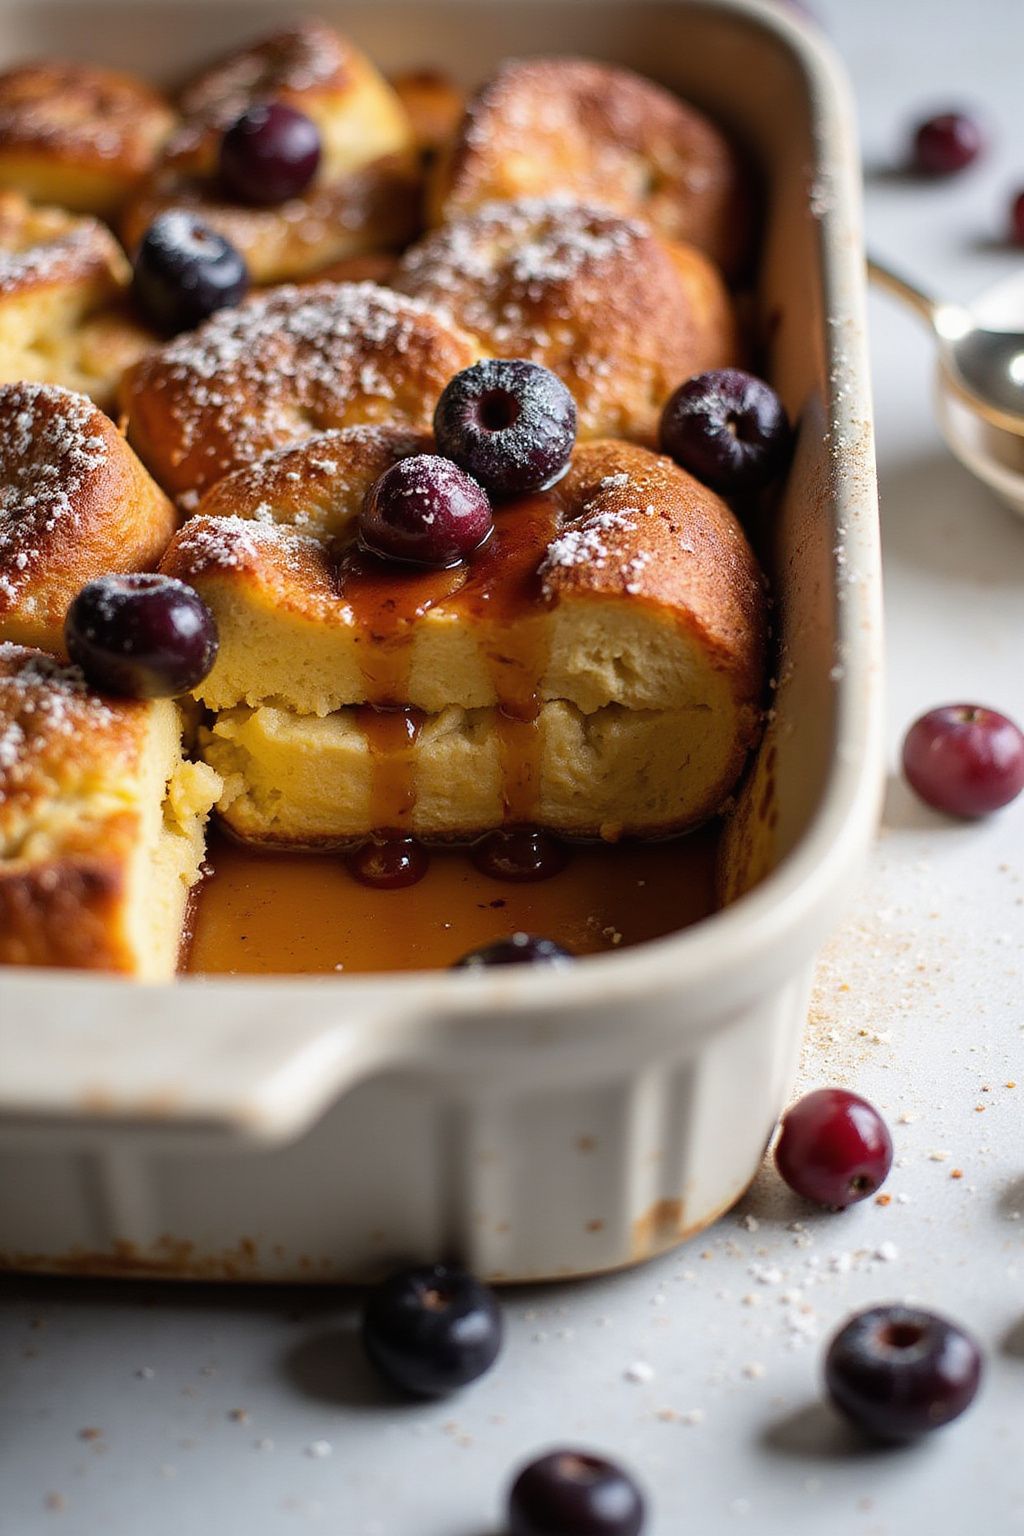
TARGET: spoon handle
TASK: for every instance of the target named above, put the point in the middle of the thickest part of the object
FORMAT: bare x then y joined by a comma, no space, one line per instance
892,282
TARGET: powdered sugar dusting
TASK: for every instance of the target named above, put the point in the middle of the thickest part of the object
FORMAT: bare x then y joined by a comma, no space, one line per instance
497,271
51,447
288,363
292,62
41,703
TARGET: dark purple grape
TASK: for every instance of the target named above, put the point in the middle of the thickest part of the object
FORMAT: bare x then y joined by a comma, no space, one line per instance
425,510
899,1372
518,949
432,1329
510,423
728,428
185,272
142,635
947,143
269,154
574,1493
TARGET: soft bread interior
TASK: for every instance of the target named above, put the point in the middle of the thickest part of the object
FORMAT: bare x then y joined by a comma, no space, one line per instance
110,841
301,780
174,798
71,335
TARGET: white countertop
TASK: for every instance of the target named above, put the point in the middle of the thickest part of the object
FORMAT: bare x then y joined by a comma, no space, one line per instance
155,1410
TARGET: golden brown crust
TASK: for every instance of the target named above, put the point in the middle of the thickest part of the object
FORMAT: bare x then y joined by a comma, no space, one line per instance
65,317
77,134
65,913
40,247
367,193
306,65
632,528
620,315
317,487
434,103
642,529
63,845
371,209
601,133
281,367
74,502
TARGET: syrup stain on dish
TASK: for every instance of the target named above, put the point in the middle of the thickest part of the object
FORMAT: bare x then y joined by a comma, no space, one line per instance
291,913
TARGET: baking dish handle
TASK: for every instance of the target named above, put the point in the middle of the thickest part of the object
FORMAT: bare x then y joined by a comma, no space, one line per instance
151,1057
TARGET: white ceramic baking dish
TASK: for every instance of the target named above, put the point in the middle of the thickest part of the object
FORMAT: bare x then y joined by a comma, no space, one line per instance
534,1124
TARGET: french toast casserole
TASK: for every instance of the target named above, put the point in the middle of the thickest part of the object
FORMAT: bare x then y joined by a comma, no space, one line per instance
377,471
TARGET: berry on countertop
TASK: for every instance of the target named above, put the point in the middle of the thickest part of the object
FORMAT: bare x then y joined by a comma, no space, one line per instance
184,272
574,1493
518,949
964,759
834,1148
898,1372
425,510
727,428
269,154
432,1329
947,143
1017,219
143,635
510,423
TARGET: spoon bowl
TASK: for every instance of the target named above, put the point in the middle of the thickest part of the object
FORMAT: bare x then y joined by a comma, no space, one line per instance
979,378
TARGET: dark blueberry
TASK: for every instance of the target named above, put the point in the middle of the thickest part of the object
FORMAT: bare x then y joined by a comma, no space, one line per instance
899,1372
964,759
727,428
143,635
573,1493
269,154
1017,219
510,423
520,853
432,1329
519,949
390,865
425,510
834,1148
946,144
185,271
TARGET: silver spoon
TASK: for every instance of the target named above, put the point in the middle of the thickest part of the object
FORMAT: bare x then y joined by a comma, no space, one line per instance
981,386
987,365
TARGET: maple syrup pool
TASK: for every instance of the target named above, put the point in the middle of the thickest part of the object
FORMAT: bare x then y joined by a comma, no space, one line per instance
291,913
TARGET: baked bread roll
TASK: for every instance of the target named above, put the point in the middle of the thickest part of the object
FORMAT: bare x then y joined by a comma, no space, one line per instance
281,367
65,317
621,315
602,134
367,194
597,667
434,105
101,823
77,135
74,502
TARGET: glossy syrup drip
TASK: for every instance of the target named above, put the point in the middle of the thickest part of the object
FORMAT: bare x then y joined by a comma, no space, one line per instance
275,913
390,865
497,593
520,853
503,600
386,598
